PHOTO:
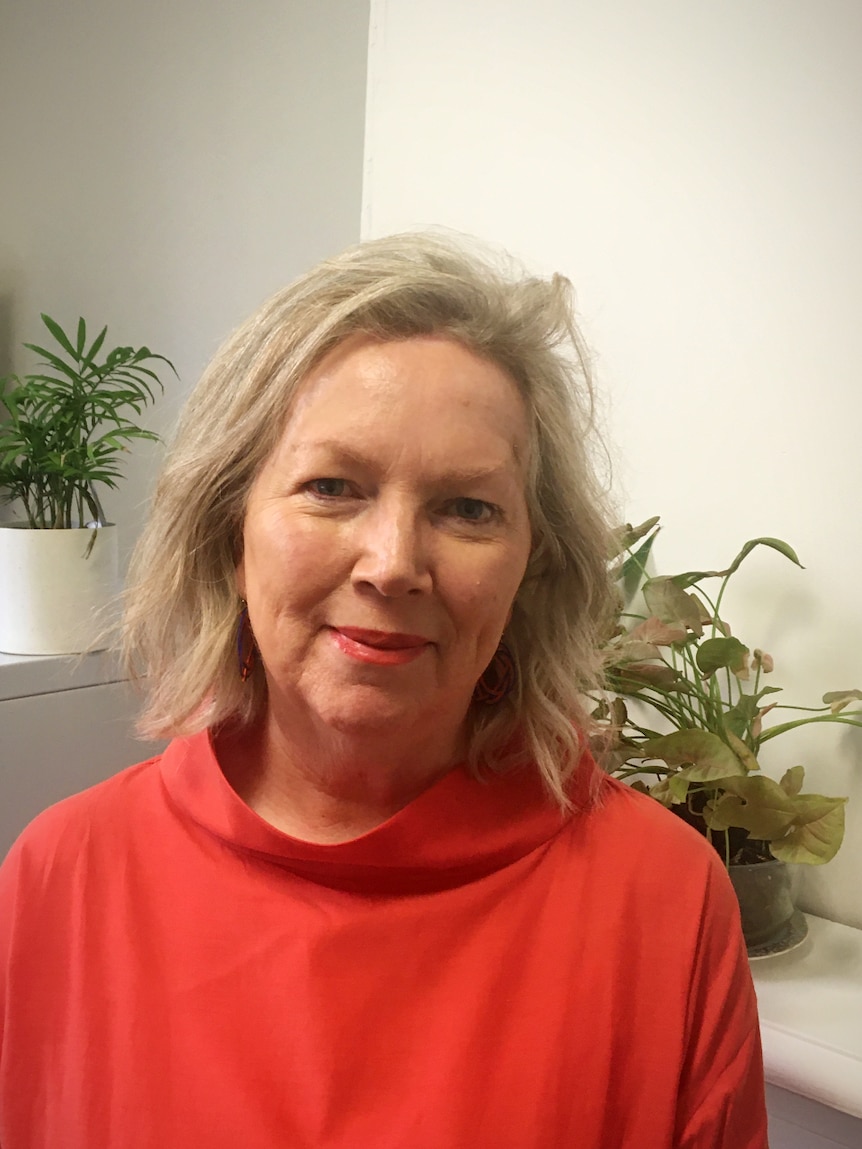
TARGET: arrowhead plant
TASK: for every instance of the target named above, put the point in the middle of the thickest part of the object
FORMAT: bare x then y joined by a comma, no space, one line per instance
63,429
683,715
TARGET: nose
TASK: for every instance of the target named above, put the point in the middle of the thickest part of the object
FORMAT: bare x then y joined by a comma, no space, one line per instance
393,551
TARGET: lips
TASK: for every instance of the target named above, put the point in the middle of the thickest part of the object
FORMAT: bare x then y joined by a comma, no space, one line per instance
382,639
378,647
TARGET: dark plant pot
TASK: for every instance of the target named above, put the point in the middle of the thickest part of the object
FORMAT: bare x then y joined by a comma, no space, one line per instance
770,922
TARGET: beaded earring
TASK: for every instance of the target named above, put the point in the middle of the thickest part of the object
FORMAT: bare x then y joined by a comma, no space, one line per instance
246,650
498,679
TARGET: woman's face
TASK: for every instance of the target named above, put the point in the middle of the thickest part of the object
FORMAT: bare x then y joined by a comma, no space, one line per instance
387,534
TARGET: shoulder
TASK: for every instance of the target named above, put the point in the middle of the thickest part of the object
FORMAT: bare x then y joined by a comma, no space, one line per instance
647,853
631,823
646,826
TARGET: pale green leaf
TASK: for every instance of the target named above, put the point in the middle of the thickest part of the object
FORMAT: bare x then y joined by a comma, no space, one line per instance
792,780
703,612
671,604
625,537
715,653
646,674
678,785
742,751
704,755
776,545
618,713
754,803
661,792
817,833
741,714
631,650
691,578
633,570
837,699
762,821
655,631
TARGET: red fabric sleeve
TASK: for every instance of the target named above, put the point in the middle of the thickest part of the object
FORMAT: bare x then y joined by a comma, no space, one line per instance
9,872
722,1102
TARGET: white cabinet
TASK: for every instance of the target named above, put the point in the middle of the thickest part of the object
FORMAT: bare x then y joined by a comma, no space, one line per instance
55,743
810,1003
797,1123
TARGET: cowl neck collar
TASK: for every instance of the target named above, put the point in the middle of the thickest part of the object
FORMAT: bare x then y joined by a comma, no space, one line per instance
459,829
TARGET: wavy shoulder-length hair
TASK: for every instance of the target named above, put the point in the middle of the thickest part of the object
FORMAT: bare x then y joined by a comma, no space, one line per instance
180,622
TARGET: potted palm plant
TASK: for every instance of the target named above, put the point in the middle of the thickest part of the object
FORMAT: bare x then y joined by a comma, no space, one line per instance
62,432
685,717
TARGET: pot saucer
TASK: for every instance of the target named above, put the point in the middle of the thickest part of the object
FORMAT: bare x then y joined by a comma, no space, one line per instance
793,934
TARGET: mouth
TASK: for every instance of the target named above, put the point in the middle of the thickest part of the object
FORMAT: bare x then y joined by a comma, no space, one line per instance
379,647
382,639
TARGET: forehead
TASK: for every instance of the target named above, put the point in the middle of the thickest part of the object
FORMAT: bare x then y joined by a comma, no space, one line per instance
430,391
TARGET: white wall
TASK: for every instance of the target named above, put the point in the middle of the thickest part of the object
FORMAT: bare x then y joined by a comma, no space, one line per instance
168,164
696,170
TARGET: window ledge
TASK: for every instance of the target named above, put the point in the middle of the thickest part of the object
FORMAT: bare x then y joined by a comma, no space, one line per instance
22,676
810,1003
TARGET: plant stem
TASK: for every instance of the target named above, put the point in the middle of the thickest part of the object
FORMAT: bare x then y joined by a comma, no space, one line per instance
773,731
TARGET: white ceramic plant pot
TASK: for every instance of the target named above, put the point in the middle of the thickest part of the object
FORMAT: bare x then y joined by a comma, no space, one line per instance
52,592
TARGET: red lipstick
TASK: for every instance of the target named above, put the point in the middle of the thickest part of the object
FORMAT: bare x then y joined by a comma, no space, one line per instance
379,647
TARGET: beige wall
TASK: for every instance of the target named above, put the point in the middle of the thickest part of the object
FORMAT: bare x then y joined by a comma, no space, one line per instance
696,169
166,165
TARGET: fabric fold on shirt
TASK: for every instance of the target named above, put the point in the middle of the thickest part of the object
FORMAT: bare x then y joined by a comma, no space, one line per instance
460,828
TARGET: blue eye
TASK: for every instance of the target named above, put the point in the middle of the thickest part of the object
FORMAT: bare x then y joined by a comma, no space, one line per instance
328,488
472,510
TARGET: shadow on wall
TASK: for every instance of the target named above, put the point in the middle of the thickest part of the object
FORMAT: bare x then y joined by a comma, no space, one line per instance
7,305
7,342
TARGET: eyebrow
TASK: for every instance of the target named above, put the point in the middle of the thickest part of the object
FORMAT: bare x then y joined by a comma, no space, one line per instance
455,475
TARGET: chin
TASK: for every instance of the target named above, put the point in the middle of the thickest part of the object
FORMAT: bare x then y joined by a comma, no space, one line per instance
368,710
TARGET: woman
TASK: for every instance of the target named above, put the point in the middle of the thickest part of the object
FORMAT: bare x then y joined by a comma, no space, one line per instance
375,893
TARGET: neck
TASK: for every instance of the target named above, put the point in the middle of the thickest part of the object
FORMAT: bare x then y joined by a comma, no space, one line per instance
332,788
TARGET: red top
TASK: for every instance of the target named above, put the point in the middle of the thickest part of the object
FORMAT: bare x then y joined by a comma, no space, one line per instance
476,973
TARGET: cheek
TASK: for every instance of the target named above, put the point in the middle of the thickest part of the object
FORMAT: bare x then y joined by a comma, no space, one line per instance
289,565
485,598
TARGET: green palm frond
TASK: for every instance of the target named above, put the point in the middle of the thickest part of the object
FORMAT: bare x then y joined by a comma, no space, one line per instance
64,428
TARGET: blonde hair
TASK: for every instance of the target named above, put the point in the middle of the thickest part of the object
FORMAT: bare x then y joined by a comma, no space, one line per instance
179,630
